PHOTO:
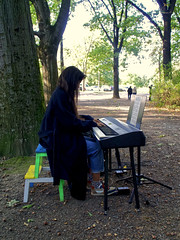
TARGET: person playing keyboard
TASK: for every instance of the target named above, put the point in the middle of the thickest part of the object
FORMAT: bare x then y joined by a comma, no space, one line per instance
63,132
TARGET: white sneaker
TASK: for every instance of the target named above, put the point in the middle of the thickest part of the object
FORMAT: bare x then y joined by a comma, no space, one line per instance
99,191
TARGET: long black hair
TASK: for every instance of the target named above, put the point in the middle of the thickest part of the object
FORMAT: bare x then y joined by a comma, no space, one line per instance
69,80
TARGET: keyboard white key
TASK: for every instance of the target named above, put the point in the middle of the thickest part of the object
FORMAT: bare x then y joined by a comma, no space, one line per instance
113,126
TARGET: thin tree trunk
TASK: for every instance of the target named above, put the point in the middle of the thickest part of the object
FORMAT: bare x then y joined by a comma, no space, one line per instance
62,56
167,47
116,75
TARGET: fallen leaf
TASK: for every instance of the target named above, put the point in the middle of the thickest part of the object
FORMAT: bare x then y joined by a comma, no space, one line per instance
161,136
12,203
90,214
30,220
28,206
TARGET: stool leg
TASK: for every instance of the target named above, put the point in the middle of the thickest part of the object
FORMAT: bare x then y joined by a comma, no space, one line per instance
61,191
26,191
36,172
41,160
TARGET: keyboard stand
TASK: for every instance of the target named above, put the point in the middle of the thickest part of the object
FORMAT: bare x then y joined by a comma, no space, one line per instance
140,176
131,149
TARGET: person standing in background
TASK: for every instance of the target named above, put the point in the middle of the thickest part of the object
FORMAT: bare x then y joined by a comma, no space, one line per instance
150,92
134,91
129,92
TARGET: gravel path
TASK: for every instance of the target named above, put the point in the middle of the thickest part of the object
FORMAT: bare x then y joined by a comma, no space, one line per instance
45,218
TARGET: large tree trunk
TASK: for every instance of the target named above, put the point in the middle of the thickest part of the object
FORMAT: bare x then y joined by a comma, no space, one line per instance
21,93
50,37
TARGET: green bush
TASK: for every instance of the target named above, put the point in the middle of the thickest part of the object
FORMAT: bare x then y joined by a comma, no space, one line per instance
167,93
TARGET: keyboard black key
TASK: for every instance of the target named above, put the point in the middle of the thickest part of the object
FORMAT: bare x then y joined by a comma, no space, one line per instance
107,130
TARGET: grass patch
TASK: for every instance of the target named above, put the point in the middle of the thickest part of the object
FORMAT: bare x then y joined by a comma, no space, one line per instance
16,165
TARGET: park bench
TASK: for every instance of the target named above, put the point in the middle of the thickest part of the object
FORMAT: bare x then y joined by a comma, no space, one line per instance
33,174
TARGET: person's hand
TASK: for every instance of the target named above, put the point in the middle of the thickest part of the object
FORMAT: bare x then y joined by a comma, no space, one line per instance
99,123
82,119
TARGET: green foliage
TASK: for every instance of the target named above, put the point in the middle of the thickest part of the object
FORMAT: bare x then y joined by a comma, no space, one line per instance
129,31
54,7
101,56
175,33
175,38
33,13
138,81
100,60
167,93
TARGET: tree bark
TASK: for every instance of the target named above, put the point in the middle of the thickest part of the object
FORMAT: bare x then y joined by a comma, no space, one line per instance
21,93
166,11
167,47
62,56
116,74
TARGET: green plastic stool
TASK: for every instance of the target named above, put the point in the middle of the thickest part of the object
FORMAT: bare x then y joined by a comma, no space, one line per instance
40,153
38,163
61,190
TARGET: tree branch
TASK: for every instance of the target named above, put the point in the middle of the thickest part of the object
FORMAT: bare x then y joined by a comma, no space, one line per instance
38,34
115,27
101,23
107,8
165,9
61,22
172,5
161,3
43,15
149,17
124,30
120,19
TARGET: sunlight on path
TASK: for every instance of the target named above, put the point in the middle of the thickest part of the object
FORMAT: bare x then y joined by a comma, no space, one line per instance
90,95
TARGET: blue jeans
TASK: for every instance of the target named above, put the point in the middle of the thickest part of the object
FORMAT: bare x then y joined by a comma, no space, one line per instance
95,155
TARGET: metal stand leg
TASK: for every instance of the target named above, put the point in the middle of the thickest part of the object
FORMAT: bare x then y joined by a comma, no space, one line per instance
106,182
110,159
139,176
153,181
134,177
118,158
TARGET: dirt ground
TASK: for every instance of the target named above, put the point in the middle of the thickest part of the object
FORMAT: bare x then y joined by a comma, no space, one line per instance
45,218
